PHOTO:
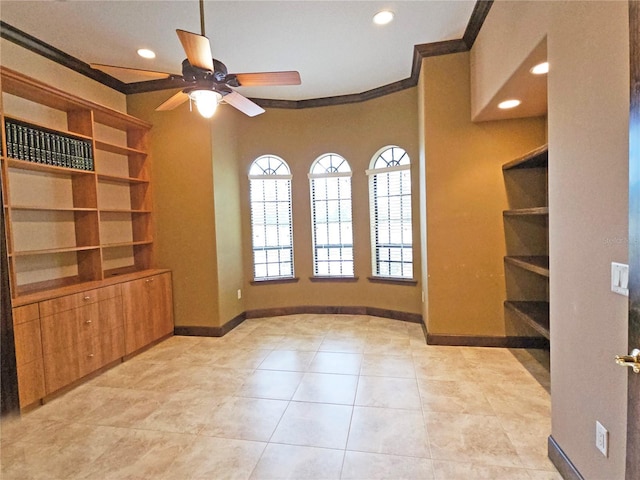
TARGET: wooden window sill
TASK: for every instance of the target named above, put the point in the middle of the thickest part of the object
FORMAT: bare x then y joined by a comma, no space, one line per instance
394,281
334,279
274,281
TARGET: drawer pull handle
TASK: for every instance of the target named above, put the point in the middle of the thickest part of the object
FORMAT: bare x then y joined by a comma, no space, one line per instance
87,321
90,355
87,297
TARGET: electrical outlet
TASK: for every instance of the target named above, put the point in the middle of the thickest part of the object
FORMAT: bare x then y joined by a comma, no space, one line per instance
239,294
602,439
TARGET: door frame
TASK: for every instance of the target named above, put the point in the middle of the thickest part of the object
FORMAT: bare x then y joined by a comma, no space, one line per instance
633,393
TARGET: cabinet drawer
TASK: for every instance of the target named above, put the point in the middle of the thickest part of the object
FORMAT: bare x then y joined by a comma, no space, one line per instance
65,329
69,302
67,365
25,313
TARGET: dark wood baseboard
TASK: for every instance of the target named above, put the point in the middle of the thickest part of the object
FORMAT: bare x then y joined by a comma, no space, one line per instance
328,310
198,331
195,331
561,461
486,341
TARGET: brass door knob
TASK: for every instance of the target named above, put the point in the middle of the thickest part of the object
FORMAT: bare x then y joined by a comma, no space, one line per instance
631,361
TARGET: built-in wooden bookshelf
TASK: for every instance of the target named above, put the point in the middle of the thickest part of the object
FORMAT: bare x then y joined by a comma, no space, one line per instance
527,238
67,226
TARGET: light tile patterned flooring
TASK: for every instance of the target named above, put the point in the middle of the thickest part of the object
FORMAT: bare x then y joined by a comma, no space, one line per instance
301,396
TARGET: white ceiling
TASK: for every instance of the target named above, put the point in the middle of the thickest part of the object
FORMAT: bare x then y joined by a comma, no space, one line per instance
333,44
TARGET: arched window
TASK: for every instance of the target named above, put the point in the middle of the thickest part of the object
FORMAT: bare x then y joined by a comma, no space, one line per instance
390,209
271,226
330,179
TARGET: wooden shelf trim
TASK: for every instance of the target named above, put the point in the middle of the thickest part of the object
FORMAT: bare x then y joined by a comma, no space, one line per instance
40,167
534,313
119,179
527,212
538,158
15,83
123,210
127,244
537,264
49,251
52,209
82,286
112,148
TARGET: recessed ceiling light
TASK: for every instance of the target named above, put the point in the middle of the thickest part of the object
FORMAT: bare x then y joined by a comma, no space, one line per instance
383,17
146,53
509,104
540,69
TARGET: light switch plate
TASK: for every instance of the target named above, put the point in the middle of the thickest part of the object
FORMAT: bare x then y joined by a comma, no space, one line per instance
620,278
602,439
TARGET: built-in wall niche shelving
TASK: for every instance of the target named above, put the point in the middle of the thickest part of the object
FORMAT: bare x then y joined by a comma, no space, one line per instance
67,225
527,238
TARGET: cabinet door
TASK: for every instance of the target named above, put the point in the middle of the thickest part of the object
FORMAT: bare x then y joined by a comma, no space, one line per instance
29,360
161,305
148,310
138,329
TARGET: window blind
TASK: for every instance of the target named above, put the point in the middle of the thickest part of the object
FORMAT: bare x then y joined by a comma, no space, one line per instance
332,226
391,222
271,220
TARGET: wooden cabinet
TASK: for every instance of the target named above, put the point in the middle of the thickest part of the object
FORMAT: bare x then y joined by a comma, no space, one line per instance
61,336
527,239
68,226
148,310
29,360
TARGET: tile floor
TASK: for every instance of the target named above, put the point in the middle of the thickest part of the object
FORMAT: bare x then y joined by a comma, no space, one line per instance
298,397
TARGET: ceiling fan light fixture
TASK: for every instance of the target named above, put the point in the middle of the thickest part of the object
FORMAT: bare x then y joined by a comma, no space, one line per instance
383,17
206,101
146,53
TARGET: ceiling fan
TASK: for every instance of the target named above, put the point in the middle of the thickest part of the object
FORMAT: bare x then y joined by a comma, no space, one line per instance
206,80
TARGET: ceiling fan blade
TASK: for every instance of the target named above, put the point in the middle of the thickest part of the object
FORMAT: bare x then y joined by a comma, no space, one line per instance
243,104
177,99
197,48
268,78
113,69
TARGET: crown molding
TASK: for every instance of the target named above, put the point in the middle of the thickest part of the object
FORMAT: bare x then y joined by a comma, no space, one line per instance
464,44
12,34
478,16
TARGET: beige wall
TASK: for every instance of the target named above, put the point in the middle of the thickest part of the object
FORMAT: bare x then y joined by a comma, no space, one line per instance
227,175
356,132
183,203
588,104
465,197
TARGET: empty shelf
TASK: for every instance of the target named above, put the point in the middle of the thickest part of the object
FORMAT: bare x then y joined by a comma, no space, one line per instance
535,314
